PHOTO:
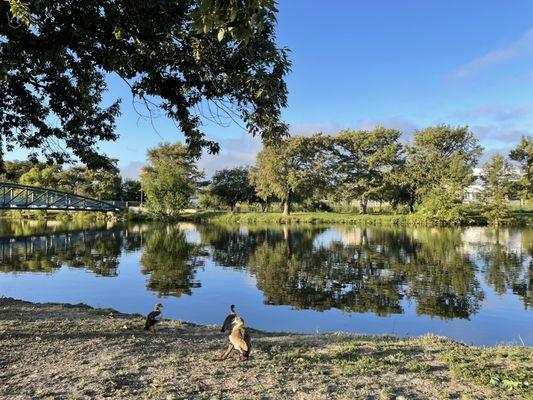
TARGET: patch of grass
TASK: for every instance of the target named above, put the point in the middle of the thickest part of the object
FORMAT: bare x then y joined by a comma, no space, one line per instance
365,365
502,367
386,394
417,367
471,217
302,218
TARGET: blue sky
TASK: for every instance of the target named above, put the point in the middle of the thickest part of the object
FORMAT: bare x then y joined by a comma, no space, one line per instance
402,64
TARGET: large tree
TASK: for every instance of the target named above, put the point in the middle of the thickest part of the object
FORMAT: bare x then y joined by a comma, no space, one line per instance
289,171
182,57
363,163
439,166
523,154
169,180
104,184
232,186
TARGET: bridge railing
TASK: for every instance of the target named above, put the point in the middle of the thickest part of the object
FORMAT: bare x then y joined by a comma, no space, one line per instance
16,196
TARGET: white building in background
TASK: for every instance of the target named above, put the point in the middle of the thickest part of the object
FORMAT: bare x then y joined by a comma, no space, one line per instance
472,192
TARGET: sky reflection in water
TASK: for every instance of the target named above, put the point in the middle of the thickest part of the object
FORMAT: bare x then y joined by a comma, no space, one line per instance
472,284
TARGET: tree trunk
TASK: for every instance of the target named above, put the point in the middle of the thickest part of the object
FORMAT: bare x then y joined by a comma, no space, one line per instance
362,206
287,205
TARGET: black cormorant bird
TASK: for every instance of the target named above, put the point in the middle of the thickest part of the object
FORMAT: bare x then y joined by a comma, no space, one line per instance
153,318
227,324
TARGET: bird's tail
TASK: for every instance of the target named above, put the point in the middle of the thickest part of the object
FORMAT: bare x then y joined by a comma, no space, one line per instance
147,325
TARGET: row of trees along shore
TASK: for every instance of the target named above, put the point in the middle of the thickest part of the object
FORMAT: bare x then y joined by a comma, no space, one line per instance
427,175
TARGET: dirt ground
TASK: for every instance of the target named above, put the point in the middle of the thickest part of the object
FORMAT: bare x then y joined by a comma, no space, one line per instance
55,351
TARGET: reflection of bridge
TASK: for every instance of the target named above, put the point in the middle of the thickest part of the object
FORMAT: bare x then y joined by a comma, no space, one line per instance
21,197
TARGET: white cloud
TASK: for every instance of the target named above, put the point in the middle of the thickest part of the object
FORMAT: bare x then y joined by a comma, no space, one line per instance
233,153
498,127
503,135
132,170
497,112
516,49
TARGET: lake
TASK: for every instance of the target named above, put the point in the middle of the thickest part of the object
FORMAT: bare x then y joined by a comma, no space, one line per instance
473,284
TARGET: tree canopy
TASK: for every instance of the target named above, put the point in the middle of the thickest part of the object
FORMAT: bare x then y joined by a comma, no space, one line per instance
363,161
39,175
232,186
431,172
288,171
498,179
183,58
104,184
131,190
170,179
523,154
439,167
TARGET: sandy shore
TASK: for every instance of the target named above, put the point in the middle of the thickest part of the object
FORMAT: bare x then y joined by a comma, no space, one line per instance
55,351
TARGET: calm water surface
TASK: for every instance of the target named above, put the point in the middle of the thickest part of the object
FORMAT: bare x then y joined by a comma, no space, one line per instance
471,284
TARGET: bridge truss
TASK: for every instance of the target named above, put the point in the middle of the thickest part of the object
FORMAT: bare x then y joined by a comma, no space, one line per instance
21,197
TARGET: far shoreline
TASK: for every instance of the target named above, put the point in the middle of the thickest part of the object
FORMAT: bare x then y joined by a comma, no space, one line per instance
516,218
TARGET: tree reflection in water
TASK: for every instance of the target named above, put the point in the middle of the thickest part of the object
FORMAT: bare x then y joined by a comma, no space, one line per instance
445,273
171,261
95,250
368,270
507,262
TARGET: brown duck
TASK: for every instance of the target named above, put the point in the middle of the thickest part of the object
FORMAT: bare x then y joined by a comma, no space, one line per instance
239,340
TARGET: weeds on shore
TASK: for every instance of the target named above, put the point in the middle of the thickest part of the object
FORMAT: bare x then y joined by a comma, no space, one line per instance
470,217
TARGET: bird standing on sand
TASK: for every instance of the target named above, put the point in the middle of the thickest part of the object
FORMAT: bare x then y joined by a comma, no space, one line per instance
153,318
239,340
227,324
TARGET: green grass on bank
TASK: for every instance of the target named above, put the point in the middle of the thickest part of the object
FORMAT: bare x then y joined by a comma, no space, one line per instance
516,217
40,215
471,216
